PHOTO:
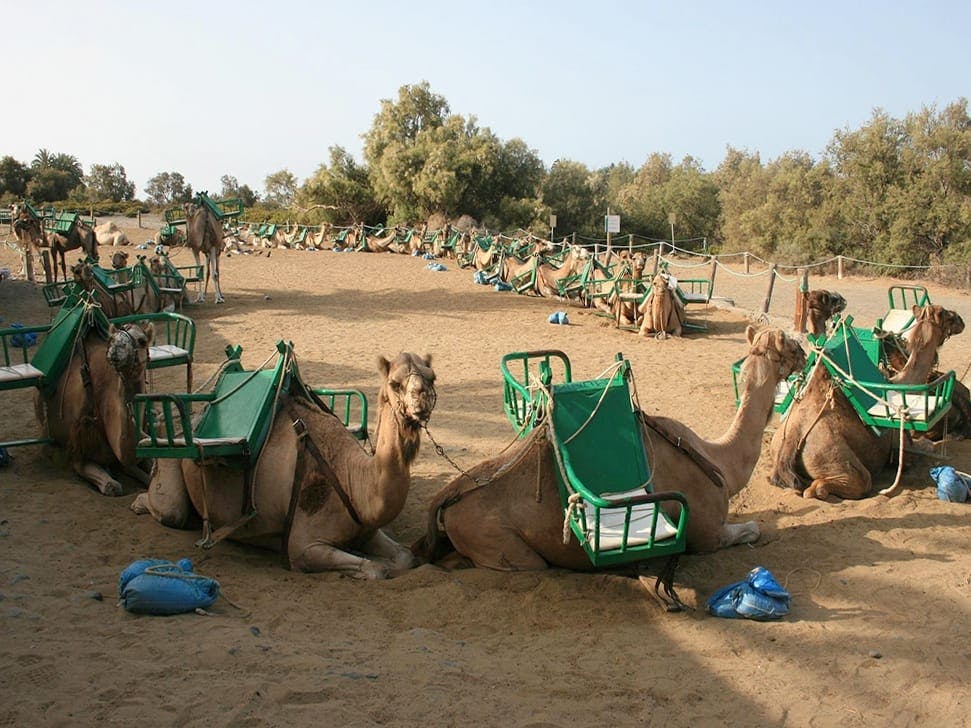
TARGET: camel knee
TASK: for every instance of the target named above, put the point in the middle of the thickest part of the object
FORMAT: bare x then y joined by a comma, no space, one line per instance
739,533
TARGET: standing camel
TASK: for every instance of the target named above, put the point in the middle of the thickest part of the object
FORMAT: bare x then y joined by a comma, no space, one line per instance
88,413
30,234
506,514
81,236
319,497
204,235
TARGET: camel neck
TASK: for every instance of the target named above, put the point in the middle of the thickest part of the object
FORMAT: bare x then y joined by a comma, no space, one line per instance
387,486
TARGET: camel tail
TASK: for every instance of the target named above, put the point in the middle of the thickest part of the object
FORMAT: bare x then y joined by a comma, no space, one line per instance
435,544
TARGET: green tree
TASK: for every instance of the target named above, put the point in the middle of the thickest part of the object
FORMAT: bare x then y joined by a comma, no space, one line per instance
168,188
231,188
340,192
279,188
109,182
49,185
569,194
14,176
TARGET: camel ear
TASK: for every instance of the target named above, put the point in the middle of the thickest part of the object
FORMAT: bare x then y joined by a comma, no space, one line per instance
384,366
750,334
915,309
427,360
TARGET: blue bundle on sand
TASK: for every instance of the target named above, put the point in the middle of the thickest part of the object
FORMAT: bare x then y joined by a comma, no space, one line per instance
429,256
22,341
951,485
759,597
157,586
502,286
559,317
436,266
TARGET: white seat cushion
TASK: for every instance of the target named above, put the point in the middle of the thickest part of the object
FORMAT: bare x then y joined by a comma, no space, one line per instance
204,441
19,371
897,320
918,407
165,351
639,532
782,390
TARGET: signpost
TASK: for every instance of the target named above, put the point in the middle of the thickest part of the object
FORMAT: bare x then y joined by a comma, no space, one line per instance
552,225
611,225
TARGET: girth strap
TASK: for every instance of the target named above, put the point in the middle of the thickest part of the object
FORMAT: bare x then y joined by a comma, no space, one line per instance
707,466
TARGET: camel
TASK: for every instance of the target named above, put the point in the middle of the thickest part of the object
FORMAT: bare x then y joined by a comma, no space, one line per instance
548,277
823,441
204,235
622,301
30,234
380,244
110,234
89,412
662,310
119,260
81,236
318,496
505,514
821,306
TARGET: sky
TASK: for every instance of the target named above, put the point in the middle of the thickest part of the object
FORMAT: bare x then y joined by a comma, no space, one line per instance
246,89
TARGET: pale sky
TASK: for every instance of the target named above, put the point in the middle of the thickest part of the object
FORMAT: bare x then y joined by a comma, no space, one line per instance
209,88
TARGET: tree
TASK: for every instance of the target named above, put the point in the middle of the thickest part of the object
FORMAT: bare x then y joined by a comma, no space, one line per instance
14,176
568,193
280,188
168,188
343,191
232,189
109,182
54,174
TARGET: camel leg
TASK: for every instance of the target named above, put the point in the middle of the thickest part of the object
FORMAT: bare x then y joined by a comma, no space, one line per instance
214,266
166,499
733,534
201,297
319,556
94,473
135,472
385,547
502,550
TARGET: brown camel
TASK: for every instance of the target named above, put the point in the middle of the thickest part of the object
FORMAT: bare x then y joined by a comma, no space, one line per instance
823,441
204,235
30,234
506,514
821,306
89,412
662,310
548,277
319,497
623,301
380,244
81,236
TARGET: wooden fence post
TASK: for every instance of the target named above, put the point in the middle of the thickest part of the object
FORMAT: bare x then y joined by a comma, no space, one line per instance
745,258
711,278
839,267
802,298
768,294
139,218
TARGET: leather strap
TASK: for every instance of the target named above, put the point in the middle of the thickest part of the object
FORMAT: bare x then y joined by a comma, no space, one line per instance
707,466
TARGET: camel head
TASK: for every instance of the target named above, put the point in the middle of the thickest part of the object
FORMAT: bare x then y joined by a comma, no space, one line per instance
778,348
409,388
83,274
156,266
823,305
119,260
128,349
947,322
661,282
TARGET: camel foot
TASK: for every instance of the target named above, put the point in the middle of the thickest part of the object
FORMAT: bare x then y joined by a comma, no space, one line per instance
200,299
112,489
139,506
404,561
370,570
220,299
734,534
816,491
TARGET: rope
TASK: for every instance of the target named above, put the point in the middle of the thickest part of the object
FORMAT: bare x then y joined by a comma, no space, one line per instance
612,369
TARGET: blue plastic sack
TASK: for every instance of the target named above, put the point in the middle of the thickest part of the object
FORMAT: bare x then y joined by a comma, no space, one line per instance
502,286
22,341
758,597
429,256
951,485
559,317
4,456
157,586
436,266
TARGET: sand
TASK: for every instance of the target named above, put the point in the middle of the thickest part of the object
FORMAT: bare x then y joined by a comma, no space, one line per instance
878,632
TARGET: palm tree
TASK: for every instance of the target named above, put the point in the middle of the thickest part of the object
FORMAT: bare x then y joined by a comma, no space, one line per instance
42,159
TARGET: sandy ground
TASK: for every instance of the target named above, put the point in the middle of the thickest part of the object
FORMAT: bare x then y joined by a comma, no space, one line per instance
878,633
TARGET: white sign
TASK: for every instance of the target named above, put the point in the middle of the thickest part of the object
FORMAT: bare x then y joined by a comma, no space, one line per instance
612,223
552,221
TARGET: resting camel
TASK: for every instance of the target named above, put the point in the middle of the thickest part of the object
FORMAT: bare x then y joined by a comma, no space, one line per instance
204,234
823,442
110,234
89,412
380,244
548,277
821,306
662,310
319,498
622,301
507,515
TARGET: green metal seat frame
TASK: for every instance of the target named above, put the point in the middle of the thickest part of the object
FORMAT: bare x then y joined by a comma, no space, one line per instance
902,299
173,340
602,468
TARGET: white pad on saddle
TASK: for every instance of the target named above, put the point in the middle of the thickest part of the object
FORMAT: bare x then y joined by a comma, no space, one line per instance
897,320
918,406
165,351
19,371
639,531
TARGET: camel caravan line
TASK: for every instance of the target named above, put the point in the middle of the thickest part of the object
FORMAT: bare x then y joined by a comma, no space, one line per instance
591,481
